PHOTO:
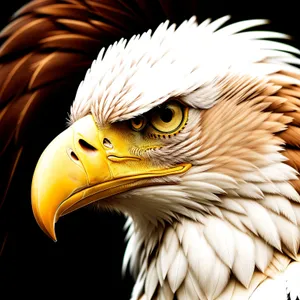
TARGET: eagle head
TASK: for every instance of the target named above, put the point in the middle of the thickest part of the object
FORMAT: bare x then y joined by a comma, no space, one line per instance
184,130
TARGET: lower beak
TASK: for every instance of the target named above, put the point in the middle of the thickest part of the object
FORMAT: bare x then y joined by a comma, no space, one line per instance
85,164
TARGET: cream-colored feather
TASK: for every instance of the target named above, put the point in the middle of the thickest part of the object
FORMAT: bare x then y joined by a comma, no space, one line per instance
225,245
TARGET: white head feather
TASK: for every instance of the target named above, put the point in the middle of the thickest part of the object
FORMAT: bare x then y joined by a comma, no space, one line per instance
130,78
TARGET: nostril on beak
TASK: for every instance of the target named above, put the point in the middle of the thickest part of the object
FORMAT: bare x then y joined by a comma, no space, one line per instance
86,146
74,156
107,143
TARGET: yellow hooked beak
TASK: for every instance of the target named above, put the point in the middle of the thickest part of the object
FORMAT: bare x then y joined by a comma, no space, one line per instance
85,164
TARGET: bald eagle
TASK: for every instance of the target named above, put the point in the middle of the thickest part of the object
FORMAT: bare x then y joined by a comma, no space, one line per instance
191,132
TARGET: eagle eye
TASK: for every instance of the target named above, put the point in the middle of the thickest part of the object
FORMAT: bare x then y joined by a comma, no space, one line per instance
164,120
138,123
169,118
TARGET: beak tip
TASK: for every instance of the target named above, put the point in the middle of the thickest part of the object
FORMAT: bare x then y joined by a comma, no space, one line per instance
48,228
51,233
53,238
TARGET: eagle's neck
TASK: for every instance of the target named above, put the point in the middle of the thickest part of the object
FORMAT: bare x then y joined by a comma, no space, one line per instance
190,237
180,242
198,260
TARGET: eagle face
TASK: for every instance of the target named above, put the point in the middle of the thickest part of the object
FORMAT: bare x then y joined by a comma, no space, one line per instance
185,127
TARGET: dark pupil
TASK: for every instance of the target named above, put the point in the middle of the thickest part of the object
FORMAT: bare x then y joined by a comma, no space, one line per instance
137,121
166,114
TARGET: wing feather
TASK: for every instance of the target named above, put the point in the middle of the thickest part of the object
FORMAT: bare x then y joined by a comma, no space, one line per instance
15,25
32,6
80,27
45,67
27,36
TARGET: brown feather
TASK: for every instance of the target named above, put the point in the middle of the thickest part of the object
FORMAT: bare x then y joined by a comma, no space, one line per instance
32,6
275,101
290,107
287,102
104,7
6,69
293,156
27,36
18,75
295,118
80,27
291,136
291,99
296,185
69,11
45,68
107,29
71,42
287,107
16,25
119,17
291,91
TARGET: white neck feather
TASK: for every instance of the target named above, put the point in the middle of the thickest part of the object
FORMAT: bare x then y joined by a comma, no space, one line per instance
221,236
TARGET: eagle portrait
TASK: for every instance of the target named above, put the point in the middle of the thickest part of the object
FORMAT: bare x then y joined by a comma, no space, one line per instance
189,130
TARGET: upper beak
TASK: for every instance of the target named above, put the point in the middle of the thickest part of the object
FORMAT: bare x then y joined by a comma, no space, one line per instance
85,164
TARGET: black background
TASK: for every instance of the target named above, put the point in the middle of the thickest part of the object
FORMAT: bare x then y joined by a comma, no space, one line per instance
78,269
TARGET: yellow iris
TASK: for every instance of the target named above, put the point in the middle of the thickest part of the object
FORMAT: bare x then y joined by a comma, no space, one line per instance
170,118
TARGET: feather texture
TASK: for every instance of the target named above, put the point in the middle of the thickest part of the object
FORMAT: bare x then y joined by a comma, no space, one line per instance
215,231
